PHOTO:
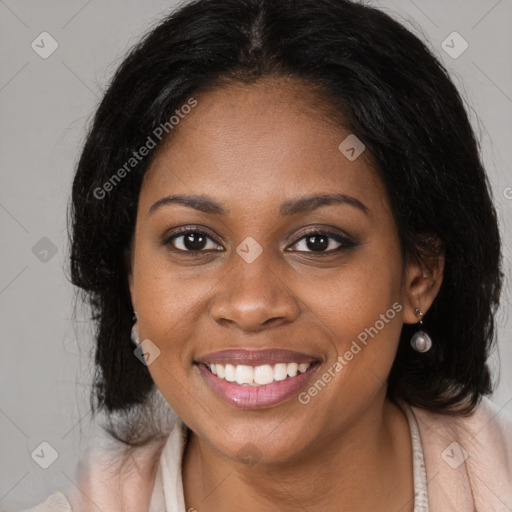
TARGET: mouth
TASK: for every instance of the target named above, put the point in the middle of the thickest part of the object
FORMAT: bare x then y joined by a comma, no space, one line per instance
256,379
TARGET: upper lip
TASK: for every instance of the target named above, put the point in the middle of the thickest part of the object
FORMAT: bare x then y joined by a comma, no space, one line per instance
256,357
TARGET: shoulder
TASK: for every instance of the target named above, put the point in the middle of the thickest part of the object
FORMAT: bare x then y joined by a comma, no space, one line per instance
469,456
489,424
117,477
56,502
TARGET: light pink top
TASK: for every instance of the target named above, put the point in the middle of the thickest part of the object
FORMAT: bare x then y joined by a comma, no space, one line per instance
460,464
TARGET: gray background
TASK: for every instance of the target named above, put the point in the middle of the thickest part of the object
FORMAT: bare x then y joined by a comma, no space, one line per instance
45,105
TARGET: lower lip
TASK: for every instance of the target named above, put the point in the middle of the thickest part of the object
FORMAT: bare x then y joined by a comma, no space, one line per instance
254,397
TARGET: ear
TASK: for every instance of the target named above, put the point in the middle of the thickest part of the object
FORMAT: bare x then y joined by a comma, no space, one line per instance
422,282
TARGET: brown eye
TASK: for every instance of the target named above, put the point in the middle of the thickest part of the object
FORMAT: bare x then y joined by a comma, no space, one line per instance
191,240
320,241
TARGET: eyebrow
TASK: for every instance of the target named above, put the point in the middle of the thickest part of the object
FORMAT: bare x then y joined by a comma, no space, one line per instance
304,204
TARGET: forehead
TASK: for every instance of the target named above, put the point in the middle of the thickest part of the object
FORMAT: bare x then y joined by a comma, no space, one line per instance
259,143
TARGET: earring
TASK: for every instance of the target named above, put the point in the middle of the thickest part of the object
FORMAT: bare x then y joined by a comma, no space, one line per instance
421,341
135,331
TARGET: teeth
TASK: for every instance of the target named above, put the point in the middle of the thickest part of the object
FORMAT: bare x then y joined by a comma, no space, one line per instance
292,369
257,375
244,374
280,371
230,373
263,374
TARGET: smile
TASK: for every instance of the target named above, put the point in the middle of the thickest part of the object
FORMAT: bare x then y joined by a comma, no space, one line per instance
256,387
257,375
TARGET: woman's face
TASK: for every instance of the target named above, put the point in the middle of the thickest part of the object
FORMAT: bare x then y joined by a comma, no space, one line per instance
255,280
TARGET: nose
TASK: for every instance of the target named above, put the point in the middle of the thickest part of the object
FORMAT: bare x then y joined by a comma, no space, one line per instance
253,296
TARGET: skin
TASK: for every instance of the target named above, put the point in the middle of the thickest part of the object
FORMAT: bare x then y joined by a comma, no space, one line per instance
250,148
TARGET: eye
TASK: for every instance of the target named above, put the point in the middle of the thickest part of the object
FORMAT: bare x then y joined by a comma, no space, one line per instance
319,241
316,241
191,240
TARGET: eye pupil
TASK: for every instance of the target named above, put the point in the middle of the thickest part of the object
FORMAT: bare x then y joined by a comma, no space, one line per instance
194,241
322,242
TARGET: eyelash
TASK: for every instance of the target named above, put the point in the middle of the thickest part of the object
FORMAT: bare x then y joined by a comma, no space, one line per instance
345,242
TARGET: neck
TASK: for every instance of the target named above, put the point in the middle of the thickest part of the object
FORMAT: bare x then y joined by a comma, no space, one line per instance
366,467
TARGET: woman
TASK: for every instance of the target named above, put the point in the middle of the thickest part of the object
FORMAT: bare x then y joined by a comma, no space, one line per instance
282,206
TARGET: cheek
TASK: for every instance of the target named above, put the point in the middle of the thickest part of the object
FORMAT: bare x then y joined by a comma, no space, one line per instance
360,304
168,308
171,309
353,296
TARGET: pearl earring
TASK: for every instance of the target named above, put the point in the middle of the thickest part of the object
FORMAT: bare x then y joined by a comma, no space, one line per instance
421,341
135,331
